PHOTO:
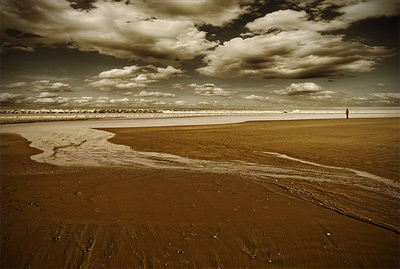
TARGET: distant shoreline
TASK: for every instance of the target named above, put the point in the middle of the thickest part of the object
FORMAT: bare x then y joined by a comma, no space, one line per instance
14,118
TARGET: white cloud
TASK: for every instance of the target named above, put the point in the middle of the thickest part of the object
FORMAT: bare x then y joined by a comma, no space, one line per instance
208,103
10,98
294,44
159,103
291,54
83,100
380,99
111,28
351,11
120,101
16,85
154,94
48,98
132,77
299,89
178,86
290,20
180,103
359,10
109,101
47,95
52,101
323,95
307,91
47,86
258,98
209,89
103,101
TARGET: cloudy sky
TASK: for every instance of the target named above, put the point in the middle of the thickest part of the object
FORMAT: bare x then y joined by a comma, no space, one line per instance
217,54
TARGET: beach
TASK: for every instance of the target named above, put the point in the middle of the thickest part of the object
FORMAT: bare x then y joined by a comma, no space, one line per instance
321,193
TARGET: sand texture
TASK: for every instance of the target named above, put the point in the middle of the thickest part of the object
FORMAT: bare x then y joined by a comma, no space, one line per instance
256,194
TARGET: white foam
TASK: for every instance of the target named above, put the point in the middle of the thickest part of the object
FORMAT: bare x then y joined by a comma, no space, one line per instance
359,173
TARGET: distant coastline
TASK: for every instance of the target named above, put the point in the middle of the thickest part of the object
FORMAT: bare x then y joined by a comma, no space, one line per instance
12,116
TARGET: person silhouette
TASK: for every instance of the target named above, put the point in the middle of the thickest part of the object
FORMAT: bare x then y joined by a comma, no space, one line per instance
347,113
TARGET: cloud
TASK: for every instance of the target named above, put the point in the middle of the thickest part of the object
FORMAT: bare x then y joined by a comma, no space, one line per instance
299,89
46,98
296,44
209,89
289,20
11,99
291,54
178,86
47,95
258,98
350,11
16,85
180,103
103,101
307,91
154,94
380,98
323,95
212,12
360,10
208,103
47,86
159,103
50,100
42,86
83,100
131,77
111,28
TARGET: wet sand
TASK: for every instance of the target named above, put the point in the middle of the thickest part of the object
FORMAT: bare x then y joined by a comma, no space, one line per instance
122,217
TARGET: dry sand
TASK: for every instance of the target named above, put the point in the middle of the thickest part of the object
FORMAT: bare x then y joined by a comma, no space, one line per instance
121,217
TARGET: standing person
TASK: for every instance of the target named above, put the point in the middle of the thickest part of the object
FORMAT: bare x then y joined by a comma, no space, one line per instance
347,113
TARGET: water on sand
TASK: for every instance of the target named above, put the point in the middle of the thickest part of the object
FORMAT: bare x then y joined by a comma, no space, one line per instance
356,193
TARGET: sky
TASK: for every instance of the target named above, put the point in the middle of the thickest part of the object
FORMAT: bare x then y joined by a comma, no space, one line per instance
199,54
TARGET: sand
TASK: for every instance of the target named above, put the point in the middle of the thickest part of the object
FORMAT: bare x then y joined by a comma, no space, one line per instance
125,217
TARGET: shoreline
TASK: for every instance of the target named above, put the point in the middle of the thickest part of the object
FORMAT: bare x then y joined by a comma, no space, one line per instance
20,119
